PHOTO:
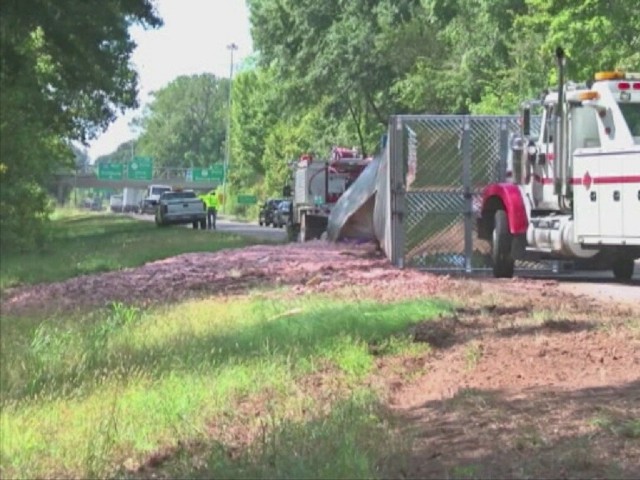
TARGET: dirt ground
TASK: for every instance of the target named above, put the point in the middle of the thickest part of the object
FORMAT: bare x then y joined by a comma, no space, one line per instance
524,380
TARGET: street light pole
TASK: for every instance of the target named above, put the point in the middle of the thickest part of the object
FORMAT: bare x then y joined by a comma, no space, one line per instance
231,47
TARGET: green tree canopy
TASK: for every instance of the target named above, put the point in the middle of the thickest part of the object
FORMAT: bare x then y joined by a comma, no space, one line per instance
185,123
64,75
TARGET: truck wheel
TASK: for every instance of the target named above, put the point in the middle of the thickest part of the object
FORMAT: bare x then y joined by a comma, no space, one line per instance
623,269
195,225
292,232
501,246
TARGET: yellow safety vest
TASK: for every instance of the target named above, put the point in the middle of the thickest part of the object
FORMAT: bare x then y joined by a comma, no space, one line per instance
211,200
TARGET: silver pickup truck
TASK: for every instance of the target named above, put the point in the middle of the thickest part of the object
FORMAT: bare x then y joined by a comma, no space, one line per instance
181,207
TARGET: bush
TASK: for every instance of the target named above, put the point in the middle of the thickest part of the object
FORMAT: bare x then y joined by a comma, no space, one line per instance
24,217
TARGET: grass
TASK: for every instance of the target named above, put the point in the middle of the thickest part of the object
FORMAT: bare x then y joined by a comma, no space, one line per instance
472,355
85,243
617,424
353,440
634,327
84,395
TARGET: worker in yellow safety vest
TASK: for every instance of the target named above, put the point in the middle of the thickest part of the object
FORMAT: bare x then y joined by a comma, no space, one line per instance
210,199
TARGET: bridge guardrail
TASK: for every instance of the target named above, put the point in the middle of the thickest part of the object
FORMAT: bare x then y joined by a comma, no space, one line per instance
87,177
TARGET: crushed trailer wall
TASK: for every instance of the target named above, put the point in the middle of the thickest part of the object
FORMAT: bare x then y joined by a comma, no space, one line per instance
420,197
362,213
443,162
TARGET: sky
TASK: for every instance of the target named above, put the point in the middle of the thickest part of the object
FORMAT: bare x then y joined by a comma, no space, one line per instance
193,39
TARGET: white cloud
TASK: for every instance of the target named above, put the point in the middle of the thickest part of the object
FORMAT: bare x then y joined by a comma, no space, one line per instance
193,40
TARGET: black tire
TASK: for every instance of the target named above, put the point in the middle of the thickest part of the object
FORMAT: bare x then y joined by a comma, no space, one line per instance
292,232
261,223
623,269
195,225
501,241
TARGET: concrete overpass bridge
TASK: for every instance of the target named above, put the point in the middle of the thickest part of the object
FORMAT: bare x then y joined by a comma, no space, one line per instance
88,178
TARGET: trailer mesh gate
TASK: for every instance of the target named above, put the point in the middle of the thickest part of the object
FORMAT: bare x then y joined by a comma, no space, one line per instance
439,165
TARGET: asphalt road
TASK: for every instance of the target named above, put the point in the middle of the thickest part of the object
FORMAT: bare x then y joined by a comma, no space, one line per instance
601,285
252,230
228,225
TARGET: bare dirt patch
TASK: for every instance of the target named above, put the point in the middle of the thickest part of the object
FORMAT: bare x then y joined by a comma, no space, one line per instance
530,385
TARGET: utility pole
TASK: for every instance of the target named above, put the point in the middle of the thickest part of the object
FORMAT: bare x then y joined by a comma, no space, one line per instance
231,47
124,197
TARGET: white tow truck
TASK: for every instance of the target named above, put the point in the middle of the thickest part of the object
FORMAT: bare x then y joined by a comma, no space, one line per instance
573,188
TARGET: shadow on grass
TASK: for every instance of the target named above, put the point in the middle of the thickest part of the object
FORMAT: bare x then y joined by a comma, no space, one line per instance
540,433
476,434
290,336
287,338
86,224
355,438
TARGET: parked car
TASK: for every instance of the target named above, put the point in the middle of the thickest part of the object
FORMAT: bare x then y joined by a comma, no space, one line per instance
268,210
282,215
94,204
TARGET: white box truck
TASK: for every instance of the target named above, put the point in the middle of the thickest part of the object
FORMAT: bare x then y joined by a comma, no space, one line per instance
131,199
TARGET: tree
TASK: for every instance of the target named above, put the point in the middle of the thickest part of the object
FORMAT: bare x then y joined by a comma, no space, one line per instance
255,112
332,53
595,34
64,75
122,154
185,124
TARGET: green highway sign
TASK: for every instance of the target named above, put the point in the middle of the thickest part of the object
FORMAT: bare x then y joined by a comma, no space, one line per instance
201,174
140,168
110,171
246,199
208,174
217,172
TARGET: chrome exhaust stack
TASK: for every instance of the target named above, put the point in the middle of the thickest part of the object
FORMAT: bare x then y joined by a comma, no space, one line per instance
560,161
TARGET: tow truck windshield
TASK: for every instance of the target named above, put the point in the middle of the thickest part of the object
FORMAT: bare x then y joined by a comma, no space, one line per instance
631,114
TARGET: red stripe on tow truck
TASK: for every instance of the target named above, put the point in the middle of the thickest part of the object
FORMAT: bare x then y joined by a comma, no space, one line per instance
543,180
608,180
